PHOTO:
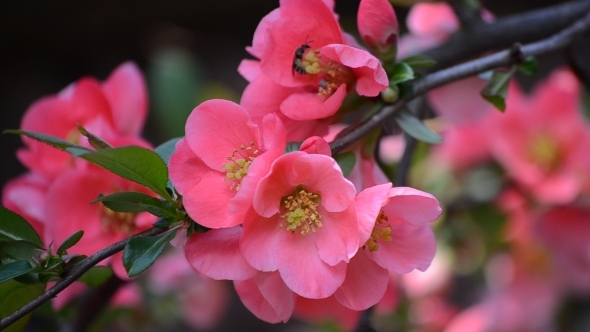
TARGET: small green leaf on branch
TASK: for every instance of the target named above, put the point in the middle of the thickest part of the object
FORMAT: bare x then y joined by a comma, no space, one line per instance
402,72
419,62
133,202
141,252
69,242
95,141
13,227
529,66
48,139
496,90
416,128
14,269
14,295
133,163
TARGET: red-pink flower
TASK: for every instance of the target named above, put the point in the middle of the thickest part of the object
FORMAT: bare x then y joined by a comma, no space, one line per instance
542,140
312,63
68,210
400,241
218,164
26,196
120,103
378,25
303,224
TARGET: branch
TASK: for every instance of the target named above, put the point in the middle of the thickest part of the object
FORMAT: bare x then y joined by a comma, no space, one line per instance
552,44
74,274
468,17
525,28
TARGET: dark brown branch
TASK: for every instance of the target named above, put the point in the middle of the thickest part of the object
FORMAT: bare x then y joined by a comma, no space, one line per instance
74,274
552,44
467,16
502,33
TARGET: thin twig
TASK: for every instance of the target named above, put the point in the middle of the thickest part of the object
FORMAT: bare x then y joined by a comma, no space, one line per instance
525,28
552,44
74,274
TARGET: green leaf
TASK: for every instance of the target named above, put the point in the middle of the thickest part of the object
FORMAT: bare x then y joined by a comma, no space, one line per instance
129,201
133,163
95,141
69,242
14,295
96,276
529,66
415,128
15,228
402,72
166,149
141,252
20,251
419,62
497,89
346,161
47,139
13,270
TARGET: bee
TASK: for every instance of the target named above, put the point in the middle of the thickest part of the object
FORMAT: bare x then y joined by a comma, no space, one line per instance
298,56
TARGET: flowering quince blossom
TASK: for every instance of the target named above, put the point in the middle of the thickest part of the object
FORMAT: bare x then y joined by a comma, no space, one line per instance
312,66
116,108
217,181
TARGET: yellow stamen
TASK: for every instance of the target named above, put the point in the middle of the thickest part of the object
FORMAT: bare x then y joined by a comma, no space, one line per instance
301,210
117,222
381,230
239,162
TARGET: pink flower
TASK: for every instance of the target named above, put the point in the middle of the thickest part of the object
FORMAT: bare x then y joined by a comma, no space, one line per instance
26,196
218,164
400,241
203,301
378,25
303,224
68,210
120,104
311,64
542,140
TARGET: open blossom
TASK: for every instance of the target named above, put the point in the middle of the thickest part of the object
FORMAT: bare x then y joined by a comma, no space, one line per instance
217,165
68,210
313,64
117,107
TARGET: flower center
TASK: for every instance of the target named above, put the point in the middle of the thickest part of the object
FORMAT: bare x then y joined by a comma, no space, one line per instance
329,74
544,152
117,222
238,163
381,230
301,211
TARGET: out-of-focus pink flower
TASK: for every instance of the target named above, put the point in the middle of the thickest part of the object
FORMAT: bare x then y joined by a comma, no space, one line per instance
217,180
461,102
541,141
565,232
377,25
26,196
203,301
524,301
120,103
68,210
391,148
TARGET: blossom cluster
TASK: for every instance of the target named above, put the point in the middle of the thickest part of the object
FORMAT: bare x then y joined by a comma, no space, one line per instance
290,227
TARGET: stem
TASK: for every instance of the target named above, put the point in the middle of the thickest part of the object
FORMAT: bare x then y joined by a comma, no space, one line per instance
509,57
76,272
525,28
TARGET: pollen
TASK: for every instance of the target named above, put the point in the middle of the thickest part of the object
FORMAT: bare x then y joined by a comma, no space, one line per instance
311,63
238,163
117,222
544,151
301,212
381,231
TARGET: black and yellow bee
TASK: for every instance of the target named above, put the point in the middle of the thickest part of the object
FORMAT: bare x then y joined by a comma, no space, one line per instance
298,57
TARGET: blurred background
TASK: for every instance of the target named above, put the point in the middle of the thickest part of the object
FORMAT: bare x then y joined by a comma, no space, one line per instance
188,50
